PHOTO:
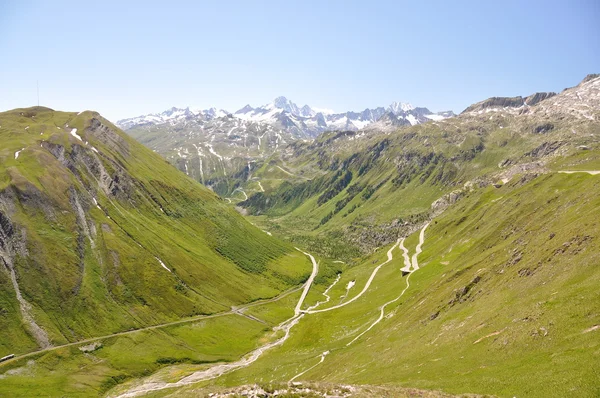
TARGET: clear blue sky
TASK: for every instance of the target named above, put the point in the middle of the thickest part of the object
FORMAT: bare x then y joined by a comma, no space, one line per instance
125,58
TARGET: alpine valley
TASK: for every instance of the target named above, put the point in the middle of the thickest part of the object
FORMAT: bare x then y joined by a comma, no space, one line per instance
296,252
211,145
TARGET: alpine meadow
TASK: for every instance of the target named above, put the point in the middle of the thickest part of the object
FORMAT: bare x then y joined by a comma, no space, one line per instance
290,250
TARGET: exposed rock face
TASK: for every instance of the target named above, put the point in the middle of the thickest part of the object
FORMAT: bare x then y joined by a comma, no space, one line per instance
12,245
537,97
496,102
546,149
508,102
589,77
543,128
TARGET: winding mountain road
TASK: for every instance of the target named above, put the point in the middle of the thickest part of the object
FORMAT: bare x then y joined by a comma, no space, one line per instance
286,326
405,256
382,310
415,265
365,288
221,369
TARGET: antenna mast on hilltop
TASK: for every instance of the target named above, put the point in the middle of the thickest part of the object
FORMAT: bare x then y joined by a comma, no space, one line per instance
38,91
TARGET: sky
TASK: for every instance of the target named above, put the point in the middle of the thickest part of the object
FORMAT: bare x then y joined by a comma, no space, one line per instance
127,58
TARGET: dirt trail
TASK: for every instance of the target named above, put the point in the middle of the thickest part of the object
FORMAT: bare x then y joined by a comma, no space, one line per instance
592,172
365,288
405,256
219,370
261,187
285,171
325,293
418,250
234,310
323,355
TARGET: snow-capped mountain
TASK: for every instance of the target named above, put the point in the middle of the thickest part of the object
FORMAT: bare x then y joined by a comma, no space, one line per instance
211,144
173,116
308,122
299,122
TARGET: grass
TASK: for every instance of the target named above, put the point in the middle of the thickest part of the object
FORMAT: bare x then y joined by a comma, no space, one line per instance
69,372
504,303
475,318
99,272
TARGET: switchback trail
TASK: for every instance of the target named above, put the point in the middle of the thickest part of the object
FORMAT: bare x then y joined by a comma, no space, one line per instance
405,256
365,288
221,369
415,264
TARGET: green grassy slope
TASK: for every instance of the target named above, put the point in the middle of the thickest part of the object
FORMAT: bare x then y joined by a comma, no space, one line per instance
87,269
506,303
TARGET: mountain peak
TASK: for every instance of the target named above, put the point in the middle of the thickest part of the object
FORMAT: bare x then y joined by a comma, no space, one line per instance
399,107
283,103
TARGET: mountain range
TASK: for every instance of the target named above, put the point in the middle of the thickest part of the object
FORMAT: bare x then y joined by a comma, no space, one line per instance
210,145
286,116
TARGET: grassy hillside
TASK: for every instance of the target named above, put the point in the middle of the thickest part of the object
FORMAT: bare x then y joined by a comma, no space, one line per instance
100,235
366,189
506,300
505,303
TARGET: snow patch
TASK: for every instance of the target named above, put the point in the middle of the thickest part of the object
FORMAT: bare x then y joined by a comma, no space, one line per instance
412,120
74,134
18,152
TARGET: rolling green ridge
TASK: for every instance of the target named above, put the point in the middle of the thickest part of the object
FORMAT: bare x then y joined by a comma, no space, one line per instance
100,235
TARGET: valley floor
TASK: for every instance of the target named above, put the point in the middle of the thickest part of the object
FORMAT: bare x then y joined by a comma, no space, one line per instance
152,384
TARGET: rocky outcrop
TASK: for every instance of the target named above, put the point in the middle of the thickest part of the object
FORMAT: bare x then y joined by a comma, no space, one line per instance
508,102
589,77
496,102
80,160
13,245
533,99
543,128
546,149
440,205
